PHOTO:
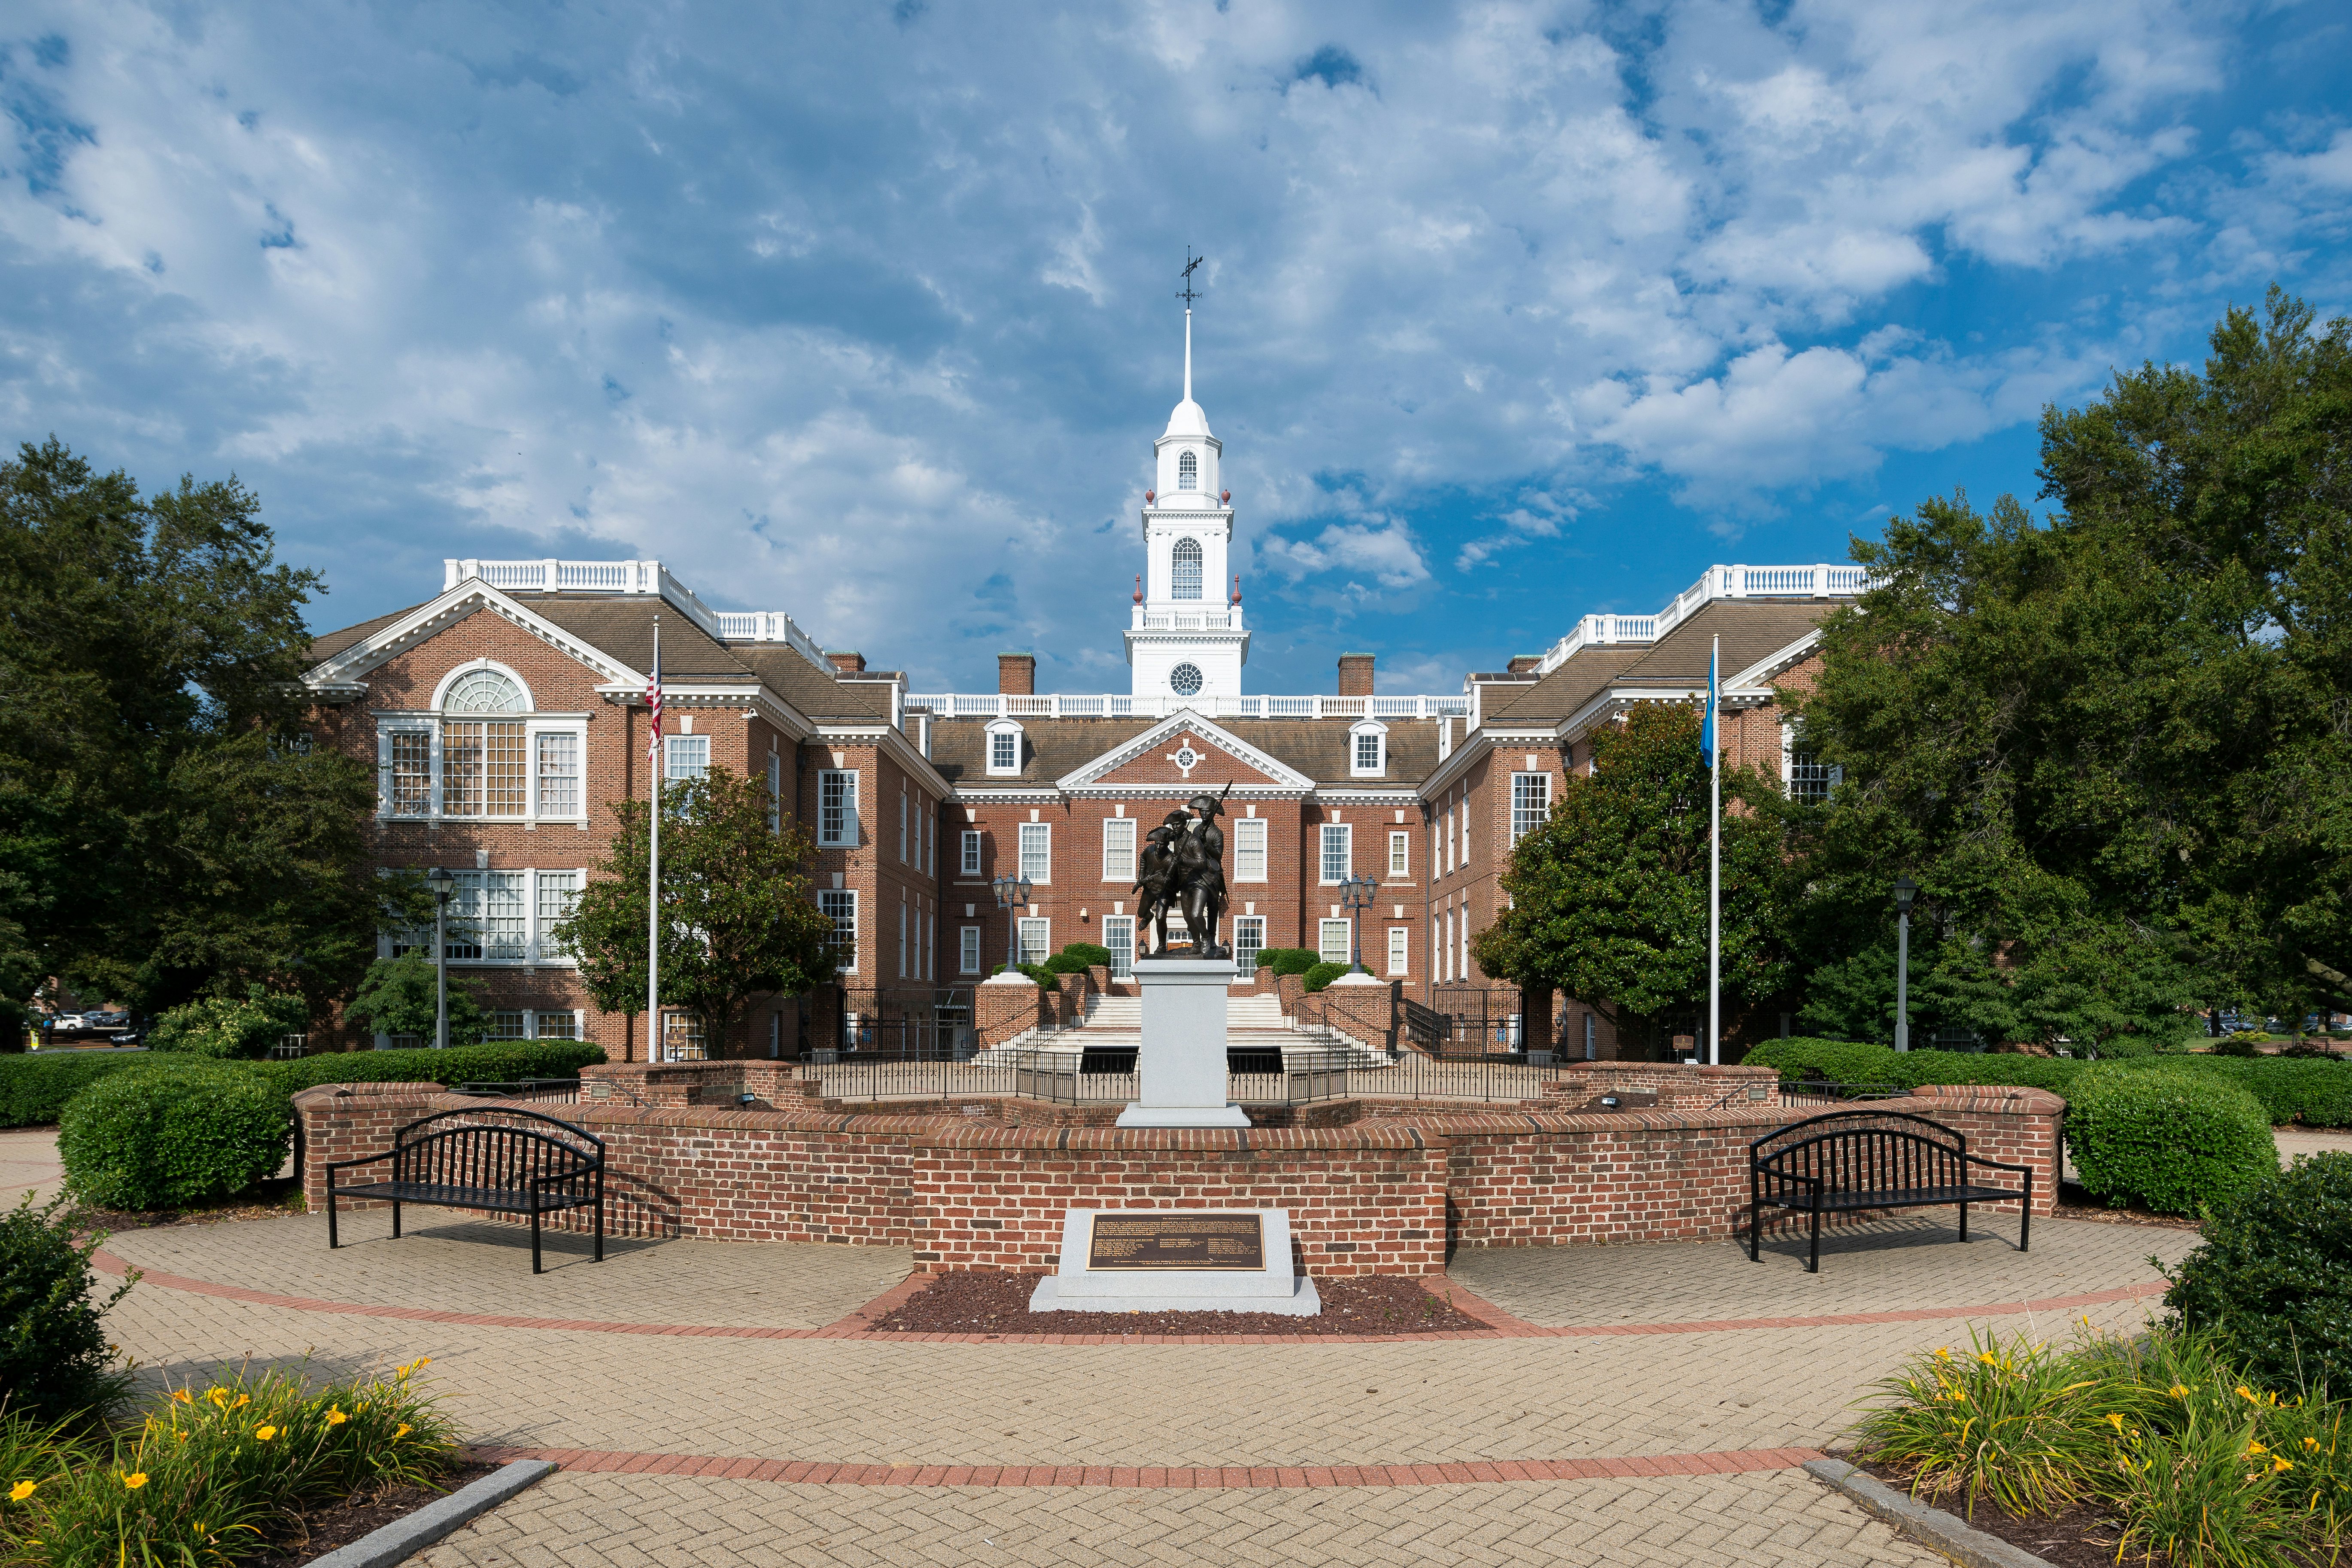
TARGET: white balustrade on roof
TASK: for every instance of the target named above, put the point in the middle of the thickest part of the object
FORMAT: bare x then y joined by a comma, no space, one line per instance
606,578
1821,581
1120,705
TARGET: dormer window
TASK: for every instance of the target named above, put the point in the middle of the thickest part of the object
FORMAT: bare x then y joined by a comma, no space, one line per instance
1004,748
1368,750
1188,472
1185,576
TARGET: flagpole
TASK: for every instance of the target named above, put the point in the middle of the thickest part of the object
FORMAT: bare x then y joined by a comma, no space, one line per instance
1714,868
652,874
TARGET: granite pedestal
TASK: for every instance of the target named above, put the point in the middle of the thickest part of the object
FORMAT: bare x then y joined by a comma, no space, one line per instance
1182,1062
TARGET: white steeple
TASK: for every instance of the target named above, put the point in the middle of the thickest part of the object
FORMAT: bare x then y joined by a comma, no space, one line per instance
1187,638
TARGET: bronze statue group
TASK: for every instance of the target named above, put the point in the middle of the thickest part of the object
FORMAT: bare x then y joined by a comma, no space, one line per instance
1182,870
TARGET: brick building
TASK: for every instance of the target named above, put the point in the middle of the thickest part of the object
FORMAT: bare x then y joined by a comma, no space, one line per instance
507,715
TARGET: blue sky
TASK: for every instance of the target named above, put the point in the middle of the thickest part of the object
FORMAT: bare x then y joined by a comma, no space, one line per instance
865,311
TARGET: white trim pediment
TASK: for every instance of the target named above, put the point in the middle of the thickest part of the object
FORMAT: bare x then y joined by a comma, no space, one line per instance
1279,774
1776,664
472,596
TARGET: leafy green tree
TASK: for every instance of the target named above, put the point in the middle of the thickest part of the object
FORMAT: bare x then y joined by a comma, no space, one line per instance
243,1028
1609,897
164,831
402,997
740,915
2110,744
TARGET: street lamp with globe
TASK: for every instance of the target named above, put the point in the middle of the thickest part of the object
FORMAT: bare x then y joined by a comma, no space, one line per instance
443,881
1905,889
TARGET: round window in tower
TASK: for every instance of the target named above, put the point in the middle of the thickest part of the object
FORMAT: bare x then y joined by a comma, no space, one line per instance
1185,680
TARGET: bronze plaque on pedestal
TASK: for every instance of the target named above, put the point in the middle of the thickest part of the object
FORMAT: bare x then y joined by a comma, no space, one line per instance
1236,1240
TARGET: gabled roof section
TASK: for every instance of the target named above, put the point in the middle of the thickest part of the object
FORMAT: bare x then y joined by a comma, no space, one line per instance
1565,689
1277,774
358,650
1752,632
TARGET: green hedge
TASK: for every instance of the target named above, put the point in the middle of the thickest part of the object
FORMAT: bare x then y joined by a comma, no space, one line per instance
2175,1139
1287,960
1322,975
2315,1093
2273,1281
34,1087
166,1139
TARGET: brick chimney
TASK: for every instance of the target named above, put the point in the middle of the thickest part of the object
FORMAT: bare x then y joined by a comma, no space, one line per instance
1355,674
1525,663
847,661
1016,674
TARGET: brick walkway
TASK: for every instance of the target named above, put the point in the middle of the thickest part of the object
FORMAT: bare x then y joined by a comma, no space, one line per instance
784,1433
29,1164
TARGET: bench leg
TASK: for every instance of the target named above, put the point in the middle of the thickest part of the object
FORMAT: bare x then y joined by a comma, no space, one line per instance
1755,1221
1813,1256
1964,1222
331,1242
600,1218
534,1241
395,1219
2025,1215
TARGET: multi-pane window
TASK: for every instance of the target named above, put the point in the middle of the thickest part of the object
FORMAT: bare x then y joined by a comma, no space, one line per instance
409,790
1368,751
1400,854
775,792
559,774
1037,851
1188,471
504,1025
1331,940
1004,752
482,770
1400,947
461,922
1530,802
682,1037
558,892
1184,579
1036,940
968,961
1118,935
1249,941
970,864
483,691
839,905
1249,849
904,816
505,932
1339,859
1809,779
902,941
1118,850
1449,841
556,1026
836,807
689,757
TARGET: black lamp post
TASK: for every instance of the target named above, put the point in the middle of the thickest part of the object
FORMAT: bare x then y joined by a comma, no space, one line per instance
1012,897
1356,896
1905,889
442,880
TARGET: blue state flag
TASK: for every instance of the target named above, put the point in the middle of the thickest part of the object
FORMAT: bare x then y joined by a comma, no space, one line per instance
1707,727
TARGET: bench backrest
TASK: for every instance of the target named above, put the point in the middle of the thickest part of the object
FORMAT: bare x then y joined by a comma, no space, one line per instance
501,1150
1859,1152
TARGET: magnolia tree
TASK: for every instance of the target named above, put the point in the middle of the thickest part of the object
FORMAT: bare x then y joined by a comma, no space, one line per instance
1609,896
740,918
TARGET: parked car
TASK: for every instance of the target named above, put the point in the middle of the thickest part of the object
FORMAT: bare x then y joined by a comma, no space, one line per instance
106,1020
68,1024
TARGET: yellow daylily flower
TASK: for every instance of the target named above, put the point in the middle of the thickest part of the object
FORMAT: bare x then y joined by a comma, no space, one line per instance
2282,1465
402,1431
182,1396
22,1491
2115,1421
135,1480
2178,1391
336,1417
263,1434
2256,1448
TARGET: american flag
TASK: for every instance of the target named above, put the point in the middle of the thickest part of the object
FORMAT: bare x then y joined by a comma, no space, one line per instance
654,700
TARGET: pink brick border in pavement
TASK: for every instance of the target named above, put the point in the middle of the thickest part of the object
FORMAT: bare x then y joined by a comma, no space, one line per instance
854,1325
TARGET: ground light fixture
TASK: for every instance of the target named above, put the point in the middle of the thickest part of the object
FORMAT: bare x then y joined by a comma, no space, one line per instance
1905,889
443,881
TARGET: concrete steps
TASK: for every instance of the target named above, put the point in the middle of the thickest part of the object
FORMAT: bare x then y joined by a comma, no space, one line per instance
1253,1022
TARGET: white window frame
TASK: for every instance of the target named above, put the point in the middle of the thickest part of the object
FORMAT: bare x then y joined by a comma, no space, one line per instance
1345,930
969,865
1118,850
535,738
1378,734
1250,857
1041,928
906,812
836,825
968,949
1526,813
543,947
1118,935
1400,855
1249,941
1037,842
1789,752
1177,586
685,757
1343,835
1001,729
837,904
1400,949
775,792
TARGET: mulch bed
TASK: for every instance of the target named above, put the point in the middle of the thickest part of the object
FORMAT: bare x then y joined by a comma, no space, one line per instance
265,1200
2083,1535
979,1303
340,1524
2073,1203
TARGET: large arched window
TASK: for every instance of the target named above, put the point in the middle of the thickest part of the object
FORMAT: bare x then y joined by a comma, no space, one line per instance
484,691
1188,472
1186,576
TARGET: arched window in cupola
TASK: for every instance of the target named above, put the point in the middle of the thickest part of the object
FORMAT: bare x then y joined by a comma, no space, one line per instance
1188,472
1185,577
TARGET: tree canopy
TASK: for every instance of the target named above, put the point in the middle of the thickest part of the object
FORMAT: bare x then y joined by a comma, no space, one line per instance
740,918
2113,745
1609,896
166,830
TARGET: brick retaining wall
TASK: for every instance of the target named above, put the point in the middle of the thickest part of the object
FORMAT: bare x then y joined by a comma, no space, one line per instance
983,1182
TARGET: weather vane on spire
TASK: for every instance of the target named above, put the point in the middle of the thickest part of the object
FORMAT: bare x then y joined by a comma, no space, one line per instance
1191,263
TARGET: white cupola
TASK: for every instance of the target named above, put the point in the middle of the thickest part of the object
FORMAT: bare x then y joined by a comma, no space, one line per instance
1187,639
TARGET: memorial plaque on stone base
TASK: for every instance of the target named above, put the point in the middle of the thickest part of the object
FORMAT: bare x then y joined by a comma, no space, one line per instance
1176,1260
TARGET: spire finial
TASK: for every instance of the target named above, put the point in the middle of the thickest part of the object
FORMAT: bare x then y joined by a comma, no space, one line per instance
1188,294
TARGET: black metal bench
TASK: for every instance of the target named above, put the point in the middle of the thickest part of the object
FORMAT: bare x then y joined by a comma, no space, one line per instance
501,1166
1849,1161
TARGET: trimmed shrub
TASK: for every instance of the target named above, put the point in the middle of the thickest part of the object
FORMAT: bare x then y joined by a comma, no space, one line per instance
166,1139
230,1029
1287,960
1064,962
1088,954
2125,1047
496,1062
2237,1044
53,1361
2272,1282
1322,975
2178,1141
34,1088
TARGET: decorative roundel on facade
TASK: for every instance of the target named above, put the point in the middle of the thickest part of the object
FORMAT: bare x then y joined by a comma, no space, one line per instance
1186,758
1185,680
